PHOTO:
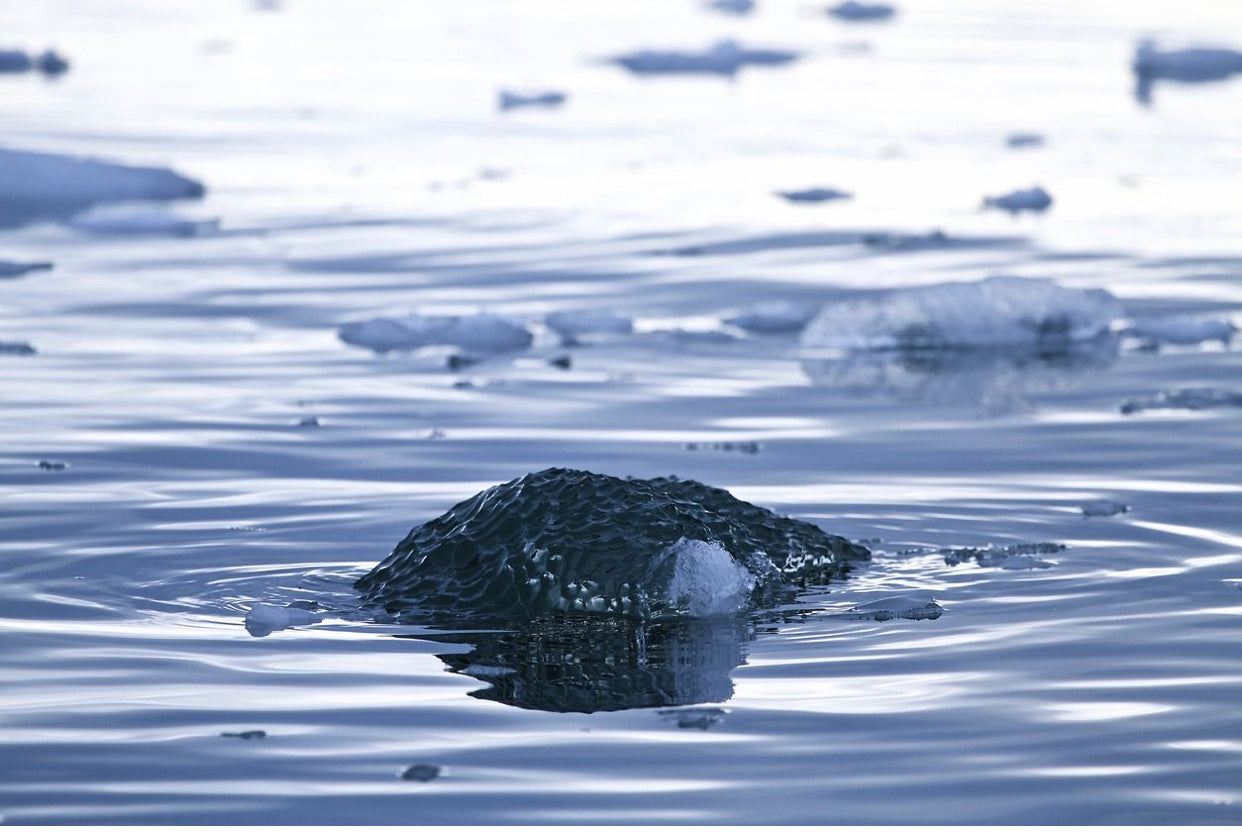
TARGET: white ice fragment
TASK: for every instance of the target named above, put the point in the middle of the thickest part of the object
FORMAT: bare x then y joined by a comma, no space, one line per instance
813,195
1182,329
773,317
1102,508
725,57
547,99
855,12
263,619
706,580
1000,311
912,605
1036,200
738,7
484,332
141,221
584,324
41,182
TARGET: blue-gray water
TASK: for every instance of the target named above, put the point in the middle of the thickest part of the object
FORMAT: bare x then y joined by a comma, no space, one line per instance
357,163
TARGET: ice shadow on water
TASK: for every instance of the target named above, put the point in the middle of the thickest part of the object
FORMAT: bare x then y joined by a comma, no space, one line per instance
588,664
1000,380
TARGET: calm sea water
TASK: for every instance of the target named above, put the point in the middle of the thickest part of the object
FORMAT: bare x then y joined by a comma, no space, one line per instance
358,166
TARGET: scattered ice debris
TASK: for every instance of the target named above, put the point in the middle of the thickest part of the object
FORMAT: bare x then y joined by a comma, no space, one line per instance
737,7
1181,329
1035,199
245,735
484,332
913,605
309,422
1187,66
562,362
265,619
16,348
548,99
699,718
774,317
47,184
855,12
725,57
1017,556
9,269
1021,140
141,221
579,325
1188,398
48,62
749,448
421,773
1102,508
813,195
1027,313
51,465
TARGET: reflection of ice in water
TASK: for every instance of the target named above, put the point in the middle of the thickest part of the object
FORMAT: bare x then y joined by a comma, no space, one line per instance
579,664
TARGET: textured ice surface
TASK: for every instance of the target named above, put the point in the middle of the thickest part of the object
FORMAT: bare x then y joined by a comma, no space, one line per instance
813,195
1187,66
912,605
141,221
582,325
1182,329
1035,200
547,99
264,619
561,540
725,57
1103,508
42,184
855,12
9,269
773,317
999,311
483,333
1188,398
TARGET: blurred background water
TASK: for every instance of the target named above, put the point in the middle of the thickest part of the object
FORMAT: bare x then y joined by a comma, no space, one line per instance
208,442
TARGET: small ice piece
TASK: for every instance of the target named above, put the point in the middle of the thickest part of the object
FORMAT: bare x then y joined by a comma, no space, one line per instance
265,619
1034,199
1017,556
737,7
132,221
483,332
1102,508
309,422
1021,140
855,12
51,63
577,325
16,348
1182,329
9,269
51,465
547,99
1188,398
774,317
1187,66
725,57
698,718
706,580
1026,313
747,447
245,735
15,60
421,773
814,195
913,605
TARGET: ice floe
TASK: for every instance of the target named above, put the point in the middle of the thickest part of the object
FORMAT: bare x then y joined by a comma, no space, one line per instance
576,326
706,579
998,311
49,62
1187,66
34,185
548,99
774,317
913,605
1035,200
724,57
1190,398
265,619
480,333
1181,329
10,269
814,195
854,12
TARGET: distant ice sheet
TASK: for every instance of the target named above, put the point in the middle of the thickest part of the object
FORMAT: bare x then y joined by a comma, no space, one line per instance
35,185
999,311
483,333
725,57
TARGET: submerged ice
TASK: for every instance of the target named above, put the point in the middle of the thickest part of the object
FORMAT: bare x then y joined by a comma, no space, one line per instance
572,541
